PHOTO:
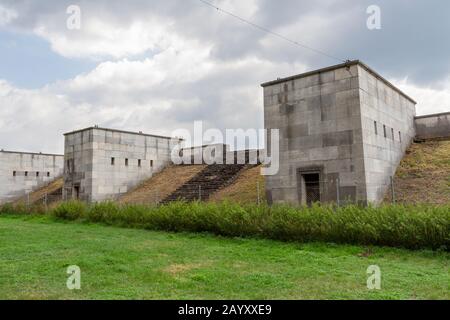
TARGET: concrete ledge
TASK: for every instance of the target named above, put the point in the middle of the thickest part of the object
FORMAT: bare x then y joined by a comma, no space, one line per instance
339,66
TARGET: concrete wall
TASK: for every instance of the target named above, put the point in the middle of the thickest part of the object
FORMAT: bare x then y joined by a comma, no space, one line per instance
21,173
102,164
326,121
320,126
433,126
392,113
209,154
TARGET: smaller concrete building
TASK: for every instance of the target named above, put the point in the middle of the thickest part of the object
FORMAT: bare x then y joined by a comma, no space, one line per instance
23,172
102,164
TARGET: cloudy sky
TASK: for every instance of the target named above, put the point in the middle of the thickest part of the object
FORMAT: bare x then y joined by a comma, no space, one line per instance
156,66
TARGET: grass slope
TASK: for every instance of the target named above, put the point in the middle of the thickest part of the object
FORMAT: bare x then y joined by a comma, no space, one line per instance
161,185
424,174
40,193
121,263
244,189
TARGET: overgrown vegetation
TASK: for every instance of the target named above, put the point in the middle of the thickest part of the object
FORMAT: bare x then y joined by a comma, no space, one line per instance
411,227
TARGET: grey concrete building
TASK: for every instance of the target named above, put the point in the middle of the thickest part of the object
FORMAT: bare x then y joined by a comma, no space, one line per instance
343,131
101,164
21,172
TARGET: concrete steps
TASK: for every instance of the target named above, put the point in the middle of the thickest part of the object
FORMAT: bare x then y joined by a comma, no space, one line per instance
210,180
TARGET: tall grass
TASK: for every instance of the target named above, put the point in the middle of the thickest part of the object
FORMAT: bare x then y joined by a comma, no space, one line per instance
411,227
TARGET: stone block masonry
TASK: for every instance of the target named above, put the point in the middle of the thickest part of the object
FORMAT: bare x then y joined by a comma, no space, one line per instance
344,127
102,164
21,172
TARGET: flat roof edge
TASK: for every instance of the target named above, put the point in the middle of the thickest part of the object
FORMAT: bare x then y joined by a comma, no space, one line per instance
33,153
122,131
338,66
433,115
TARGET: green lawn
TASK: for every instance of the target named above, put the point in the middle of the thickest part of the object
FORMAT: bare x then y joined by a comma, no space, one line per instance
121,263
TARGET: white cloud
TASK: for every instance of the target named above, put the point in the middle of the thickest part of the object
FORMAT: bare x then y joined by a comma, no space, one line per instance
429,100
7,15
163,64
98,39
156,95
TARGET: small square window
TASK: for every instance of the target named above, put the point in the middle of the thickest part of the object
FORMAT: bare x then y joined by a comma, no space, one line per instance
126,162
113,160
139,162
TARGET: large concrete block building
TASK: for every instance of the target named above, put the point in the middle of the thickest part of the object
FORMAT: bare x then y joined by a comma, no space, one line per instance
101,164
343,131
21,172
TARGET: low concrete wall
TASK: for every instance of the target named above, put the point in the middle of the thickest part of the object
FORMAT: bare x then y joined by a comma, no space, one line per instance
433,126
219,154
22,172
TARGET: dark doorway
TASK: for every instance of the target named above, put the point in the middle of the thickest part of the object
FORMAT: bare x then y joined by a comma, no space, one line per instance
76,192
312,187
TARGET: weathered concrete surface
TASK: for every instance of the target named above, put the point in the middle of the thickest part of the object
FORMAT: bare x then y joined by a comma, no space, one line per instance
433,126
326,122
393,112
21,172
102,164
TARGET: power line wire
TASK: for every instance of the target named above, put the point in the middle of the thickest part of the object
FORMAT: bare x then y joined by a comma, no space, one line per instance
272,32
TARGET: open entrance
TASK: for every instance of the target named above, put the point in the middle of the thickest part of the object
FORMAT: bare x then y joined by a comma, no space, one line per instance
309,187
76,192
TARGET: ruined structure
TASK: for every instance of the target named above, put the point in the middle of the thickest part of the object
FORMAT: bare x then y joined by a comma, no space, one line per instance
343,131
21,172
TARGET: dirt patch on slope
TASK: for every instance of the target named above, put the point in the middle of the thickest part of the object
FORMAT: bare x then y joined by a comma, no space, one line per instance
161,184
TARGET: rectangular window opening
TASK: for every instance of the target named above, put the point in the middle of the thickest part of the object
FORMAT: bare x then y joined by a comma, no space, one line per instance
37,174
392,132
14,173
113,161
26,173
376,128
399,136
126,162
151,163
48,174
139,162
384,130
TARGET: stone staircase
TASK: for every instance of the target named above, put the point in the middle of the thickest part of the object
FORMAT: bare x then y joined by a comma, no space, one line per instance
208,181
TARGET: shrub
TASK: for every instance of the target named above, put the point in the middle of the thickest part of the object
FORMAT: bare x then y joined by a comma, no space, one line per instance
70,210
391,225
7,208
